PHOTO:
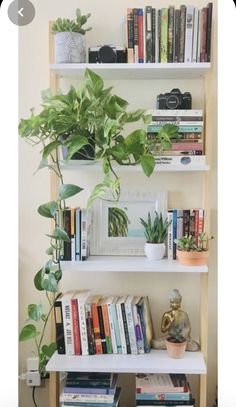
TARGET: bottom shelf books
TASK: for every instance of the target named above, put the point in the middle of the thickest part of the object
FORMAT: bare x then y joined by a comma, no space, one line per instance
163,390
90,390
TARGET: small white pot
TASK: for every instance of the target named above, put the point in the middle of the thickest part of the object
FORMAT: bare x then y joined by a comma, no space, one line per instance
155,251
70,47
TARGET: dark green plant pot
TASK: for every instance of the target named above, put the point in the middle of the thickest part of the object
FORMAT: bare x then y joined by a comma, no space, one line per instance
86,153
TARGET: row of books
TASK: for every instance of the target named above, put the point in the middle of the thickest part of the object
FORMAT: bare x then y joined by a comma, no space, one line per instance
183,222
163,390
190,130
169,34
75,223
88,324
90,389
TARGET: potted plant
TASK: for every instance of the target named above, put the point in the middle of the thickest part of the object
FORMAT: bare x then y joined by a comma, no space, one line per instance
70,46
175,346
155,232
191,253
91,122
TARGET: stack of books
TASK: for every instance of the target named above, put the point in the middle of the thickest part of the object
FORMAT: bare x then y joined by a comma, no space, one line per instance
190,129
169,34
183,222
88,324
90,389
163,390
75,223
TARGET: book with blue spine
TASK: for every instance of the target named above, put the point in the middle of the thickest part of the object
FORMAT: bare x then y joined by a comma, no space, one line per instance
98,403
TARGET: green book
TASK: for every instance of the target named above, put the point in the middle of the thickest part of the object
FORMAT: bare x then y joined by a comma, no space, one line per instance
164,34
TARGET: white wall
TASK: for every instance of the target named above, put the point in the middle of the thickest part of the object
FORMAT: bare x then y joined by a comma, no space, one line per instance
184,189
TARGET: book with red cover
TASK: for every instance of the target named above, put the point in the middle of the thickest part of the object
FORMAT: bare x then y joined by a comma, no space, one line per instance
75,325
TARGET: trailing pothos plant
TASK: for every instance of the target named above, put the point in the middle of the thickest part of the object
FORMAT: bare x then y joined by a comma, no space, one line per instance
90,116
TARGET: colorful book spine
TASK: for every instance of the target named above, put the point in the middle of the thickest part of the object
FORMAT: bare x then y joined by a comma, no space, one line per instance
177,36
209,29
203,55
106,327
140,36
148,33
121,325
186,222
109,303
171,22
96,327
116,325
130,36
170,236
101,326
195,34
67,324
89,326
135,12
81,299
130,324
182,32
127,339
154,37
174,223
60,340
164,395
164,35
137,326
188,47
155,128
143,308
76,328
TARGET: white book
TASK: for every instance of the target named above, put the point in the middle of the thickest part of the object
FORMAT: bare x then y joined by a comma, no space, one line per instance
188,34
170,236
130,324
185,161
137,325
121,324
67,322
179,223
82,296
109,301
195,34
177,112
116,324
84,227
199,39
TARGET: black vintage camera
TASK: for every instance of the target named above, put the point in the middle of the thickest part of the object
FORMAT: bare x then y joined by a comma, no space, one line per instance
106,54
174,100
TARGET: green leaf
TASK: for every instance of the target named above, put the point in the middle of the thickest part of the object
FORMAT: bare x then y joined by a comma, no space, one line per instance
47,267
147,162
38,280
68,190
48,350
35,311
50,148
94,80
58,275
59,233
28,332
75,144
49,251
48,210
50,283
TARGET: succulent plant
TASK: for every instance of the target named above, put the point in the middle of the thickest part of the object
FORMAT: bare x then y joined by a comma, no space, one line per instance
156,230
188,243
65,24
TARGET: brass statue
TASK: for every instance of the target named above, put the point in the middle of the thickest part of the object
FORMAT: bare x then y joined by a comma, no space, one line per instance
175,323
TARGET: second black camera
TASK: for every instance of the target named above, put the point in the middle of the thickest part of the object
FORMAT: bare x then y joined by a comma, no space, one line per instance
107,54
174,100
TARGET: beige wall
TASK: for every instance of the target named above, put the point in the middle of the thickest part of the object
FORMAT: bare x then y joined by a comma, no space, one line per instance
184,189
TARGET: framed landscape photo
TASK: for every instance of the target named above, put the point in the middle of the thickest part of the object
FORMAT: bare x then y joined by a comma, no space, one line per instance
115,226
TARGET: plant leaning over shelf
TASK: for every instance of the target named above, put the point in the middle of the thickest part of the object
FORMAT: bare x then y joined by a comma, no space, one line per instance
155,232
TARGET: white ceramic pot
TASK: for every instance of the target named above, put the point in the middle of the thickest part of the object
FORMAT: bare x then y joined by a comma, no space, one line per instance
70,47
155,251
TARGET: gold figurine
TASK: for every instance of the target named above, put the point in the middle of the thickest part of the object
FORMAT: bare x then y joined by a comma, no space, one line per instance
175,323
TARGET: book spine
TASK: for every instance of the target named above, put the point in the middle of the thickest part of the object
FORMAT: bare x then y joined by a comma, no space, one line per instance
177,36
67,228
187,145
116,327
102,329
182,32
131,329
176,160
106,328
127,339
200,222
164,34
96,329
77,234
192,223
67,325
199,37
170,236
203,56
83,247
174,403
90,332
140,36
179,223
83,328
186,222
60,340
195,34
171,21
135,12
88,390
154,128
209,29
121,328
72,233
159,34
87,398
112,328
188,34
138,330
182,113
148,33
76,328
174,222
196,224
165,396
140,313
130,35
154,39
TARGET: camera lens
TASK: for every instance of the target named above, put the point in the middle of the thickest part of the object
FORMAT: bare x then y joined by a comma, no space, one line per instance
172,102
106,54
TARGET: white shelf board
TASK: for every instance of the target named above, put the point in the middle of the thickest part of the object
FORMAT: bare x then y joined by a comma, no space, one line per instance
135,71
133,264
157,361
88,166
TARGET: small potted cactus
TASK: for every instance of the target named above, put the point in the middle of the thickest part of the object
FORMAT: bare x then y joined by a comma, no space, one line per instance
192,253
155,232
175,346
70,46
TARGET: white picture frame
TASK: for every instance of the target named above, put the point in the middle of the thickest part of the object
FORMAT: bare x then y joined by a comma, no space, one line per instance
136,204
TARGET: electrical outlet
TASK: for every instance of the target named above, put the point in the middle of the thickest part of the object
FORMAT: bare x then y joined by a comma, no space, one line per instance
33,379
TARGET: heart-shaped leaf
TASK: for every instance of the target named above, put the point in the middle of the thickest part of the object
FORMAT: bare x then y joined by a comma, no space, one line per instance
28,332
68,190
59,233
35,311
48,210
147,162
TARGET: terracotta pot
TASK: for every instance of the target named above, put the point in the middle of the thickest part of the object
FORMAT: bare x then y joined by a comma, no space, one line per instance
192,258
155,251
175,350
